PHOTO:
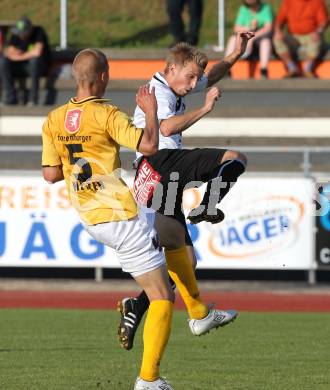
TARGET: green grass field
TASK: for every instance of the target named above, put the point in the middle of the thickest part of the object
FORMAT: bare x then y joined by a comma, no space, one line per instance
73,349
119,23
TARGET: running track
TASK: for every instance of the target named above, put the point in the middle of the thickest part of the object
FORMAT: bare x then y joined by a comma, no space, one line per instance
242,301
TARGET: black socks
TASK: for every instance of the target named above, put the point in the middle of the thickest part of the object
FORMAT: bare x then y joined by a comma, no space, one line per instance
226,175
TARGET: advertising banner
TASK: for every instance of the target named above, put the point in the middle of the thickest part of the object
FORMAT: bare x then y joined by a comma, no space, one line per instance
323,227
268,225
38,227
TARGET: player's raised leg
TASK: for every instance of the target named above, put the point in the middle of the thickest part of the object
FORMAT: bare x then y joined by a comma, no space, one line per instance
181,271
224,175
202,318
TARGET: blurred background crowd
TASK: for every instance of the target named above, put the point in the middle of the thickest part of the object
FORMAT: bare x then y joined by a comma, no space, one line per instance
292,31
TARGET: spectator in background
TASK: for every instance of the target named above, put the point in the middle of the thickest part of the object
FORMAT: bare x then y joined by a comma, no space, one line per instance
177,29
1,42
258,17
27,55
306,21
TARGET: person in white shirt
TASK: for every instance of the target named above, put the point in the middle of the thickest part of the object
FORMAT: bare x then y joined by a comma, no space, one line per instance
161,178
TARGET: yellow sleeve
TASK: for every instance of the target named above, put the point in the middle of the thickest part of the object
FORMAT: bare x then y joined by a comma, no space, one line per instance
50,156
122,130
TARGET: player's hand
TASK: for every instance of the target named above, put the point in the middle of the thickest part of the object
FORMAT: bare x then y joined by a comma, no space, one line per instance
211,97
242,39
146,99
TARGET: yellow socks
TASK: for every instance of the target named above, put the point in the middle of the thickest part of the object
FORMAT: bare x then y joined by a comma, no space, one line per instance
157,328
182,273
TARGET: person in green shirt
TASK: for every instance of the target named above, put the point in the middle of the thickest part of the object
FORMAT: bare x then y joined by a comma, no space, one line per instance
257,16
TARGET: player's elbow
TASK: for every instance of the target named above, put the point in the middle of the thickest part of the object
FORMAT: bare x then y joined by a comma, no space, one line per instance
52,175
165,131
150,149
50,179
148,145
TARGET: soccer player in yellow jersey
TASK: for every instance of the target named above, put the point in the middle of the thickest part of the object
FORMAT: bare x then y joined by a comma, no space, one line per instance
81,141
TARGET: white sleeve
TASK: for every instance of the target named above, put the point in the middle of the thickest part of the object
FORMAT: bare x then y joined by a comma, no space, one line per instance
201,84
166,104
166,108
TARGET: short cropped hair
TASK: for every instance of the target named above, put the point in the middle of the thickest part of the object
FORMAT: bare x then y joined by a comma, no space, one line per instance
88,64
183,53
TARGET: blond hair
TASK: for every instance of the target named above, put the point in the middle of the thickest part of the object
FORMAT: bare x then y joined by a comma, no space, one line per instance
183,53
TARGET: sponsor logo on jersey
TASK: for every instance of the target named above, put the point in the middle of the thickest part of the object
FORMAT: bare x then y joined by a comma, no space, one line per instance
145,183
72,120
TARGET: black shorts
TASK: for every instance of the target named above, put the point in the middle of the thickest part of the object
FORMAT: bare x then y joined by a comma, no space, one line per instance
176,170
192,165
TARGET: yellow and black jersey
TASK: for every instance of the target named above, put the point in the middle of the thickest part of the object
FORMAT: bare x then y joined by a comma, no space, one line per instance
84,137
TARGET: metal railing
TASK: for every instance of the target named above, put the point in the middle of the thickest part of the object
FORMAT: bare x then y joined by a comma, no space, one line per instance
305,151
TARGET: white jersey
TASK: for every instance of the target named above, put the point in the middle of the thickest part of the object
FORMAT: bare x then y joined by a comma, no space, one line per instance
169,104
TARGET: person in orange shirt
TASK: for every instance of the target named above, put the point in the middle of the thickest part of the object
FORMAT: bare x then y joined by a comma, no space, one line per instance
306,21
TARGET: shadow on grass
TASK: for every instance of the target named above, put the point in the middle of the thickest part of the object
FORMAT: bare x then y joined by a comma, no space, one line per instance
147,36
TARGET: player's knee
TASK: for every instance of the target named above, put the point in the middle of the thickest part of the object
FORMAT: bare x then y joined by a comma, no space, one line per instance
172,241
234,155
173,244
242,157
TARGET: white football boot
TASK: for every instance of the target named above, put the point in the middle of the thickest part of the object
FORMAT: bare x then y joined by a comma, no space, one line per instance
159,384
214,319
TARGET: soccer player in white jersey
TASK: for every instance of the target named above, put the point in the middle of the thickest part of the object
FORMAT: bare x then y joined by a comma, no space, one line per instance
81,142
153,186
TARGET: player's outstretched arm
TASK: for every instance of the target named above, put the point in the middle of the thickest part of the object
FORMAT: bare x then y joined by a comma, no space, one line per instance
218,70
53,174
178,123
146,100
